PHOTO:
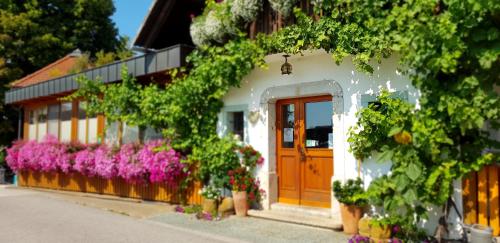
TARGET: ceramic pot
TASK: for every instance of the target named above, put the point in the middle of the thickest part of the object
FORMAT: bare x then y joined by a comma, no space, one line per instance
209,205
364,227
350,215
380,232
240,203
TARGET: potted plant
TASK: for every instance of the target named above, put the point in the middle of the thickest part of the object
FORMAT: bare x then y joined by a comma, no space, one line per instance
380,228
210,195
239,180
352,198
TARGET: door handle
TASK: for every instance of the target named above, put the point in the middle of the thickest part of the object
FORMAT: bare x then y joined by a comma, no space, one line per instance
302,153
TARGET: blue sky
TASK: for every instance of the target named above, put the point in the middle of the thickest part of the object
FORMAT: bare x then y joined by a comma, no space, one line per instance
129,15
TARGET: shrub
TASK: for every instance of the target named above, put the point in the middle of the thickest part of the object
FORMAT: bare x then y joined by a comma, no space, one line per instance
350,193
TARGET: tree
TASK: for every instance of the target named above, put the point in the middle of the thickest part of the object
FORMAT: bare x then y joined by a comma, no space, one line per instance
34,33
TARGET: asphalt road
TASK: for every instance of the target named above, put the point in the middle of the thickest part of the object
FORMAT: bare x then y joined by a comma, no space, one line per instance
30,216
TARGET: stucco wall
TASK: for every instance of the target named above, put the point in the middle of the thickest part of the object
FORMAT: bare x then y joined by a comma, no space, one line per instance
262,87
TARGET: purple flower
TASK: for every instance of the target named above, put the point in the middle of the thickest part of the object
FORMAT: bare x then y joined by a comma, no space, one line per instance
396,229
179,209
207,216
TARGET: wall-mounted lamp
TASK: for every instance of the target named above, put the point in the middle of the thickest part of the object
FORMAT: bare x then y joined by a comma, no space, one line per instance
286,68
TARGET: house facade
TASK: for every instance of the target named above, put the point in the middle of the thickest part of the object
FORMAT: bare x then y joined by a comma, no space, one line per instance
298,121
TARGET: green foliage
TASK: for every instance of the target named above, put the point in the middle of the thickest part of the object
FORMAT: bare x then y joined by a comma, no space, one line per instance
118,101
36,33
350,193
449,49
2,156
216,157
378,125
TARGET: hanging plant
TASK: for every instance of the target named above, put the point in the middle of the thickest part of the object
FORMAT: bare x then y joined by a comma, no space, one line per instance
284,7
245,10
216,24
197,31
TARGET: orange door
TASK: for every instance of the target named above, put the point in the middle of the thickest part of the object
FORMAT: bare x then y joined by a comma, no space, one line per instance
304,150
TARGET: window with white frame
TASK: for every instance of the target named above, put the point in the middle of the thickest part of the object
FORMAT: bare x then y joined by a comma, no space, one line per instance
53,120
234,120
87,125
65,122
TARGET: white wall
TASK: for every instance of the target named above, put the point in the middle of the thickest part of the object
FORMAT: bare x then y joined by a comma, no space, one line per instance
262,87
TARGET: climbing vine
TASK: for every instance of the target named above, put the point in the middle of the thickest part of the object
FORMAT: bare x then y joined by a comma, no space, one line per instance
449,48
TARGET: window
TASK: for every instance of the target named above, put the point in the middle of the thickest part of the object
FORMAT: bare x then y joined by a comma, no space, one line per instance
53,120
236,123
32,125
87,125
233,119
41,118
65,122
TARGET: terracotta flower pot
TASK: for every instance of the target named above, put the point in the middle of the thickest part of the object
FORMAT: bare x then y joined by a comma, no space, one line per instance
209,205
350,215
240,203
380,232
364,227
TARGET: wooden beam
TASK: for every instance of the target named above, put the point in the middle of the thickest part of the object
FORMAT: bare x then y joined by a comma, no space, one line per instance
482,195
494,200
469,186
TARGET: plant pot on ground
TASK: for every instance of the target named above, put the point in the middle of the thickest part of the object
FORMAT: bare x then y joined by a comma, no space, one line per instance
380,228
240,203
210,195
240,180
352,198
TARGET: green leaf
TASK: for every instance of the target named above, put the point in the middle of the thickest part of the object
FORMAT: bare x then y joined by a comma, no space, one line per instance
385,156
413,172
394,131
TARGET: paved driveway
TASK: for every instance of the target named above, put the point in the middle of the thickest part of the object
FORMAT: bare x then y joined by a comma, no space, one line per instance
31,216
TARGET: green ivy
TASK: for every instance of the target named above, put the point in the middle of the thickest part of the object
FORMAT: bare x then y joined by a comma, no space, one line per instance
449,48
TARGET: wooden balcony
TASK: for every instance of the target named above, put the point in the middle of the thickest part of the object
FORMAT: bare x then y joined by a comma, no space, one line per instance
270,21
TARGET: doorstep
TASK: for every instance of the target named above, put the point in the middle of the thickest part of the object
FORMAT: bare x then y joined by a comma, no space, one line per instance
310,216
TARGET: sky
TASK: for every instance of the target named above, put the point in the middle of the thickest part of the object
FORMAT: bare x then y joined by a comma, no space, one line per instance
129,16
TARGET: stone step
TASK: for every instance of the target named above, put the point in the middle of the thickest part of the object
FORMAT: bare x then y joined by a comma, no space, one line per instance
303,210
297,218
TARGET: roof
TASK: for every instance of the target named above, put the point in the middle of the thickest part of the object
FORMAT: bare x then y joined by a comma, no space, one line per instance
58,68
148,64
167,23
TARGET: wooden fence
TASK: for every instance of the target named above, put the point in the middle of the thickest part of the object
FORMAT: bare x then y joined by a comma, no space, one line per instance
481,198
116,187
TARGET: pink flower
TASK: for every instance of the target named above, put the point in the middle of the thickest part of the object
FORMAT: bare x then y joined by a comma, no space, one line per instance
106,165
85,162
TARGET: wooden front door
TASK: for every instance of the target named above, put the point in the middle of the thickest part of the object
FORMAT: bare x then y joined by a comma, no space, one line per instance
304,150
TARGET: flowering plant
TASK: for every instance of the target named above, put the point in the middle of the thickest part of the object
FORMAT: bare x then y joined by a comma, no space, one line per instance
245,10
284,7
359,239
130,167
154,161
85,161
239,179
162,162
210,192
106,164
251,157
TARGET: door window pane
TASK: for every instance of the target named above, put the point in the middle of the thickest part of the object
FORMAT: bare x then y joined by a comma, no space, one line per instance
288,120
53,120
318,120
